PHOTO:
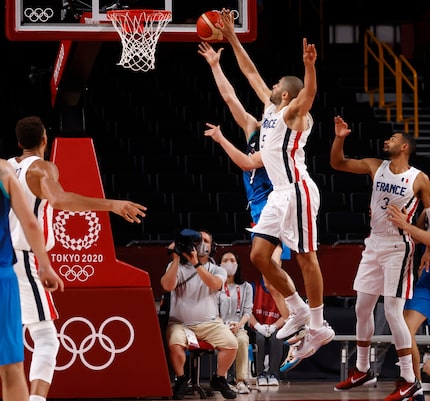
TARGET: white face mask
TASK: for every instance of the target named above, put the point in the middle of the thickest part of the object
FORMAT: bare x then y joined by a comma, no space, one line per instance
230,267
202,249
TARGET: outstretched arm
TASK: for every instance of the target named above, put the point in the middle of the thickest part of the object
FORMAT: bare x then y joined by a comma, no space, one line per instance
51,189
245,120
301,105
243,161
337,157
246,65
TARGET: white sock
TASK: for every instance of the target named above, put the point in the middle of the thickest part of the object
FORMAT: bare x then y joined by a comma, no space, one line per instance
37,398
316,319
406,369
363,363
295,302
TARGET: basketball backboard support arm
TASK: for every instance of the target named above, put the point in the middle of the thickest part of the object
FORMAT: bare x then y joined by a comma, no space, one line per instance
51,20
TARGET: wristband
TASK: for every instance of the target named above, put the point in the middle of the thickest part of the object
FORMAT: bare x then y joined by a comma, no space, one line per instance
198,264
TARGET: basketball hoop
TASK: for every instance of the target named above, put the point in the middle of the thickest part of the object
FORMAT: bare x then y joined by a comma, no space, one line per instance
139,31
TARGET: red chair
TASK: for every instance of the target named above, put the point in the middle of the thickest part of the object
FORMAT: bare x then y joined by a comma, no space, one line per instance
195,355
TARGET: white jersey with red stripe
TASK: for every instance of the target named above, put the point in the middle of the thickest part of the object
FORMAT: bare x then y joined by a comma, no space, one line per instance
41,208
282,148
37,304
291,211
394,189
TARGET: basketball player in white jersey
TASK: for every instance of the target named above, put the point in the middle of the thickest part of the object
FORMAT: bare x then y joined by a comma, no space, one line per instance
290,214
256,182
386,266
39,179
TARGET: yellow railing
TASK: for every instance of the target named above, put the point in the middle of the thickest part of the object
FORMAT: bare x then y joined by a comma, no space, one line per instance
387,60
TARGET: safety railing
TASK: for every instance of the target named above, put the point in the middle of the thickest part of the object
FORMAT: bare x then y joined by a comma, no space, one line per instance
389,65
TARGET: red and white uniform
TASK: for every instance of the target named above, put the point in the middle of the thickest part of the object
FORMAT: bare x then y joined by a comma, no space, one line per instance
291,211
386,267
36,303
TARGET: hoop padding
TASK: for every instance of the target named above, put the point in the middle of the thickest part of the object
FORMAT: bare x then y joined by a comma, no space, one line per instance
139,31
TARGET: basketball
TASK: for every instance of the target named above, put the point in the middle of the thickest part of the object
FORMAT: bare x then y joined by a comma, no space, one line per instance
206,28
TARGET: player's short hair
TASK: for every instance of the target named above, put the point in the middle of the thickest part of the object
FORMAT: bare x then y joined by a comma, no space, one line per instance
29,132
409,139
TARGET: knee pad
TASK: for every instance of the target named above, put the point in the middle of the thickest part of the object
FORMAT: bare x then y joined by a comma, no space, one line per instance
46,345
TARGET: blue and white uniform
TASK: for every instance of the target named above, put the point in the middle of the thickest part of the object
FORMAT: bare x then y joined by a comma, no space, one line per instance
11,339
258,187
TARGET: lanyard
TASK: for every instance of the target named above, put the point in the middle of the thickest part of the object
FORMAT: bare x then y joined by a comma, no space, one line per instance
227,291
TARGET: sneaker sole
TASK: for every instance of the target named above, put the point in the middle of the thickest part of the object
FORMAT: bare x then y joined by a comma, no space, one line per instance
280,336
296,337
286,368
316,348
365,384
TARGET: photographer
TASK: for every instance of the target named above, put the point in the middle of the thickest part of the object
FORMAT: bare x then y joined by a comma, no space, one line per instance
194,282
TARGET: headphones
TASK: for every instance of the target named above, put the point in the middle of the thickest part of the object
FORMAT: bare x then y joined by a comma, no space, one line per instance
213,249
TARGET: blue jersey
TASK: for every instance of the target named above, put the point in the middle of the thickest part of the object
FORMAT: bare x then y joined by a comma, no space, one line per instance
258,187
11,339
256,181
7,254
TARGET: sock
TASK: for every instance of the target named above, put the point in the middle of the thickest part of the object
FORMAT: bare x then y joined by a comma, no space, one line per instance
316,318
406,369
295,302
363,363
37,398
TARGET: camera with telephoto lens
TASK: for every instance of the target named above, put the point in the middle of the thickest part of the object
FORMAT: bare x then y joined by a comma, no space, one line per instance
186,240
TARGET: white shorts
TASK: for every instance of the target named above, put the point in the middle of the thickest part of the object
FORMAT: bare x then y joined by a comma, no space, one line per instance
36,303
290,214
386,267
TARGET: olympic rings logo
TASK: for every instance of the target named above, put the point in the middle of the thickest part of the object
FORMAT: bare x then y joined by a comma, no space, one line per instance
79,350
39,14
76,272
77,244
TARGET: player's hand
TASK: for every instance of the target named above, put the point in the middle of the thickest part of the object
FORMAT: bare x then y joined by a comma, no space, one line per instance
214,131
50,279
341,127
309,53
227,26
129,210
208,52
425,262
397,217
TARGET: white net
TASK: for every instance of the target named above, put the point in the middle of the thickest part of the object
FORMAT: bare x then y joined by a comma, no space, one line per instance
139,31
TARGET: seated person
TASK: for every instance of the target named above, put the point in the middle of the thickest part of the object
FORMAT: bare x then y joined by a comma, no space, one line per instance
235,308
266,321
194,282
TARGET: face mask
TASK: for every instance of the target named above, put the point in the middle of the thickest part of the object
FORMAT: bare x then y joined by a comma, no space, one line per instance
202,249
230,267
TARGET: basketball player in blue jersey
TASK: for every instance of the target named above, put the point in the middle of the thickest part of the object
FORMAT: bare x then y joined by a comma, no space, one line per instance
14,384
256,181
386,266
290,214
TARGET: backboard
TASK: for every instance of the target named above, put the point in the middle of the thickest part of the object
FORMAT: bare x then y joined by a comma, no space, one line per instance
85,20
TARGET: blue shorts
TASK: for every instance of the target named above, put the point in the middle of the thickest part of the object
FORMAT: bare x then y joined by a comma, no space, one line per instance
420,301
11,334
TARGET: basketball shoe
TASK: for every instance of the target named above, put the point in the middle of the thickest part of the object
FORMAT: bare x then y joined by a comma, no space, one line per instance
404,390
356,378
290,361
313,340
295,322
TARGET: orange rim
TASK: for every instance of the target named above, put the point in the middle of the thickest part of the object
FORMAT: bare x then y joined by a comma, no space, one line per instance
155,15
